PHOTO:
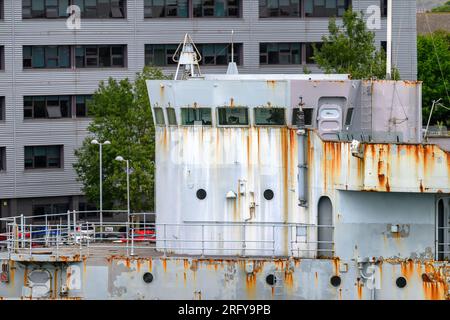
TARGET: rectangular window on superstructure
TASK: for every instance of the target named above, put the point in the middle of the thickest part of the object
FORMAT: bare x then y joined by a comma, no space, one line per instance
166,8
2,158
308,112
42,157
326,8
46,57
159,116
171,116
44,9
196,116
279,8
270,116
235,116
216,8
100,56
280,53
212,54
2,108
47,107
101,9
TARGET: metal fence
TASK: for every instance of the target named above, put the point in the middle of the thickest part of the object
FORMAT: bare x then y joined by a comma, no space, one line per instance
81,232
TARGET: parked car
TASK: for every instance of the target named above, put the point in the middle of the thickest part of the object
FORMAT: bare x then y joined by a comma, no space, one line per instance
83,232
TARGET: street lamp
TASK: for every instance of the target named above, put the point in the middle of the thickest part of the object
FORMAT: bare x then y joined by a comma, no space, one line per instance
121,159
100,144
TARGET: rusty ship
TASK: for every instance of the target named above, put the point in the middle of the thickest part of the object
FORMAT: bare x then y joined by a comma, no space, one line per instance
267,187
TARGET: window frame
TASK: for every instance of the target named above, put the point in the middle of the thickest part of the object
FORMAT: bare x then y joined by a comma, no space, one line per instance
265,7
159,110
46,100
168,117
3,159
46,57
197,109
48,158
269,125
346,6
266,54
311,124
2,108
231,125
165,9
227,6
97,57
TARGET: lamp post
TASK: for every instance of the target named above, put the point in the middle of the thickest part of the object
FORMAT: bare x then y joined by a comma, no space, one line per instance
100,144
120,158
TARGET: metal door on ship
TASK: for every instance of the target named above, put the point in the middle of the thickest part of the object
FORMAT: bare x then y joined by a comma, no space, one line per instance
329,121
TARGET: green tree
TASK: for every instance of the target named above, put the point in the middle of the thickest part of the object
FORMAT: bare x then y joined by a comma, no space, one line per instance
433,63
442,8
350,49
121,113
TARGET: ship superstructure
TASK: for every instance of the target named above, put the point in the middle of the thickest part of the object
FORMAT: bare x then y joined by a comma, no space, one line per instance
267,187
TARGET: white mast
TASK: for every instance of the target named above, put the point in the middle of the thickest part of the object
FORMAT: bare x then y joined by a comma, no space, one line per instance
232,67
389,41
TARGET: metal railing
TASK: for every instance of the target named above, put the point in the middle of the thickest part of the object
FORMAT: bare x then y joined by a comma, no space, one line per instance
80,232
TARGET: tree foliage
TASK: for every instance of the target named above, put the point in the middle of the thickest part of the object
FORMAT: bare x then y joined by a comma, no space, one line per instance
442,8
433,56
120,113
350,49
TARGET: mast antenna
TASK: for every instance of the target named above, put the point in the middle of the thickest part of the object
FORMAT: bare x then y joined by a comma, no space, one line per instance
189,57
232,67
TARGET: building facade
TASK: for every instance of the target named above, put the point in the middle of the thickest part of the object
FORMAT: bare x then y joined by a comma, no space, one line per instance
49,68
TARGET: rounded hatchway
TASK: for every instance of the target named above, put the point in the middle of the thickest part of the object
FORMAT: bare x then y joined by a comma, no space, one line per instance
201,194
268,194
147,277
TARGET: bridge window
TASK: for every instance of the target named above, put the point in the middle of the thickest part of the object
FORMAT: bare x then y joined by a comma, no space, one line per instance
270,117
159,116
308,116
196,116
349,117
233,116
171,117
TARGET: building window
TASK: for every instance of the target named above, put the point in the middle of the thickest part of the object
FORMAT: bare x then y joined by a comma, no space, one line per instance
2,108
326,8
166,8
81,105
44,9
160,54
270,116
236,116
2,9
2,58
384,7
196,116
2,158
39,157
384,45
216,8
279,8
100,56
309,51
44,209
101,9
280,53
46,57
35,107
212,54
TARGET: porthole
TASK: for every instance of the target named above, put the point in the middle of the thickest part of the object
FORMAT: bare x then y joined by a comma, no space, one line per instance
147,277
335,281
268,194
401,282
271,279
201,194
